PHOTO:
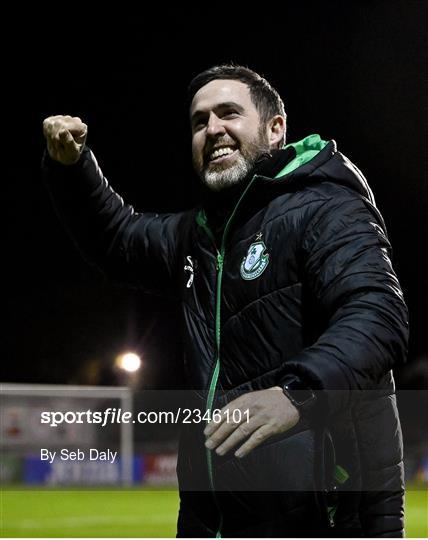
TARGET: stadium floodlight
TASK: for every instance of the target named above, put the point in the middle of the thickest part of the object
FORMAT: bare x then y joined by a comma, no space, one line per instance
129,362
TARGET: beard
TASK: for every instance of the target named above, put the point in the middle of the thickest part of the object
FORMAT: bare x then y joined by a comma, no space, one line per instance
218,176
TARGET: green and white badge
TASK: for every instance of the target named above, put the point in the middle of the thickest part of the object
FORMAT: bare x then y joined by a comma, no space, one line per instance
255,262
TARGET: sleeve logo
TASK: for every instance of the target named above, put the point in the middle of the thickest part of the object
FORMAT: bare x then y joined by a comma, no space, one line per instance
189,268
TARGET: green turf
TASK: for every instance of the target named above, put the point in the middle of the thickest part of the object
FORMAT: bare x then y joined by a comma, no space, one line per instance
416,505
117,513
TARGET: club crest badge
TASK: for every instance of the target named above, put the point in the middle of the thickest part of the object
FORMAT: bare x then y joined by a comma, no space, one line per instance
255,262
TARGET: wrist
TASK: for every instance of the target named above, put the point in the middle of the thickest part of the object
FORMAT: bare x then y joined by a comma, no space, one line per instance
299,393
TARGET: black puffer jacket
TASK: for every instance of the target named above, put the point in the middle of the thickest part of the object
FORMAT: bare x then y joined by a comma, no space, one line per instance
300,283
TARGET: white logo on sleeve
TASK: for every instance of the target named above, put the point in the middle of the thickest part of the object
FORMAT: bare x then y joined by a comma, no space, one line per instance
189,268
255,262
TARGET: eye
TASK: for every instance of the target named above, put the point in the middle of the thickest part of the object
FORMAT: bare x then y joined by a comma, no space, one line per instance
230,113
199,124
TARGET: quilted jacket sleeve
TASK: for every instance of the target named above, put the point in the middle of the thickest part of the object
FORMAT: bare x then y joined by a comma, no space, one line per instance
347,268
132,248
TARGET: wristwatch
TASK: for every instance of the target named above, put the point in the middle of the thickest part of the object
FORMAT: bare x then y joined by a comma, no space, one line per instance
300,395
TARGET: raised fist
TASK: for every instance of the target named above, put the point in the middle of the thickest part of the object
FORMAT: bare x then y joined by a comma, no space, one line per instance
65,136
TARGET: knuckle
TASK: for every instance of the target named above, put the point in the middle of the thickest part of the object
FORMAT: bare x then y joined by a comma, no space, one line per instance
276,428
242,428
215,439
259,436
47,124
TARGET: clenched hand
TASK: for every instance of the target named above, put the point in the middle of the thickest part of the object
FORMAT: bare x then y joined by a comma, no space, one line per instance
270,413
65,137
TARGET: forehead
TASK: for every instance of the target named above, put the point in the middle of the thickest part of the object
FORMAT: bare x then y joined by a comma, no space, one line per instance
221,91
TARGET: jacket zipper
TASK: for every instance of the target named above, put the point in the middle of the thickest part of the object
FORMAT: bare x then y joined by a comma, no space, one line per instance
214,378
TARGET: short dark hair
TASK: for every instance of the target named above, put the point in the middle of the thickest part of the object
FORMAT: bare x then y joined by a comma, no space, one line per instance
265,98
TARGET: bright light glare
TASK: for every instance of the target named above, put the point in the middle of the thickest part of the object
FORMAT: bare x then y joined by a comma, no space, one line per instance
129,362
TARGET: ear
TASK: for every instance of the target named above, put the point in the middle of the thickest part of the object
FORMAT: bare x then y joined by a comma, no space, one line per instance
276,129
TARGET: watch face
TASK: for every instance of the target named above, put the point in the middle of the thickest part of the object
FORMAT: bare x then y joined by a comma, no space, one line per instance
298,393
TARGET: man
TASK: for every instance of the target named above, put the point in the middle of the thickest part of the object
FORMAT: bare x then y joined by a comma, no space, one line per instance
293,316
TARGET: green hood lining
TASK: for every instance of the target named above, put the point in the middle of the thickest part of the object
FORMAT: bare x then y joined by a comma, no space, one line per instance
306,149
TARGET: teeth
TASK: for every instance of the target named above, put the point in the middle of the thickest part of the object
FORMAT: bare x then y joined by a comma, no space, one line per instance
227,150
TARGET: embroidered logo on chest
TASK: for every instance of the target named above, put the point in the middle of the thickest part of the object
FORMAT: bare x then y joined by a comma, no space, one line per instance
256,260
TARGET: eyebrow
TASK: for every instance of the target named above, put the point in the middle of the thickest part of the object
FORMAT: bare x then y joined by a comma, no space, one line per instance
225,105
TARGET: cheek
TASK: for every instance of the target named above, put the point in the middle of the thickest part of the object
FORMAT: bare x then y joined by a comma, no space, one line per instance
197,148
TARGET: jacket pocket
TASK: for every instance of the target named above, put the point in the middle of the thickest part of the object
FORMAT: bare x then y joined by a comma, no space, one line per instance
282,464
331,476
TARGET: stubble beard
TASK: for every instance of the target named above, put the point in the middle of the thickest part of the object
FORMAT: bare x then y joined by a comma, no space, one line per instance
221,176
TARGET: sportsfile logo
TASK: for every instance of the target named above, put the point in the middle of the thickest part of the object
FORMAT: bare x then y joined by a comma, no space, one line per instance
119,416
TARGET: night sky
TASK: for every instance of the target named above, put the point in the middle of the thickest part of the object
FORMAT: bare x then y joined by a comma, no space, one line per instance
355,72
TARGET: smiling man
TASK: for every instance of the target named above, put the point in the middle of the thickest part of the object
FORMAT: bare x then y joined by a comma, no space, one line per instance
228,133
293,316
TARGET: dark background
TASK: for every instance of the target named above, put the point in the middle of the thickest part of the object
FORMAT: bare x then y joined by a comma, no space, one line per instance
352,71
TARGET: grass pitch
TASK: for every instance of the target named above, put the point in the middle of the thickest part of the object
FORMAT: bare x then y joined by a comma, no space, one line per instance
95,513
124,513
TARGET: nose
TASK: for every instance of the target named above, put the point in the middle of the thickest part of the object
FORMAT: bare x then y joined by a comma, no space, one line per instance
215,126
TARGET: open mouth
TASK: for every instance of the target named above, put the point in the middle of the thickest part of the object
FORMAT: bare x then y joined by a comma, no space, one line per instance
223,154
